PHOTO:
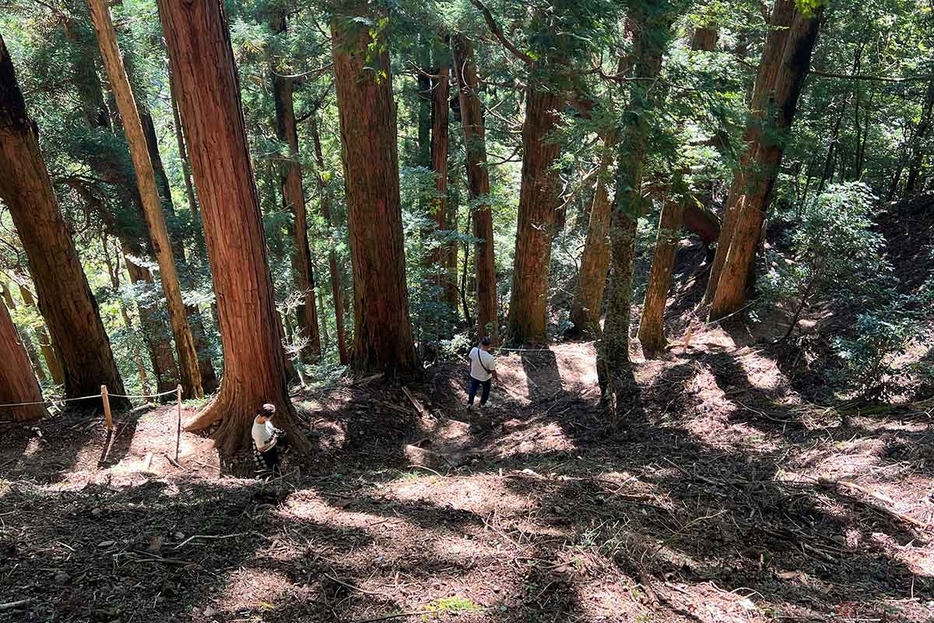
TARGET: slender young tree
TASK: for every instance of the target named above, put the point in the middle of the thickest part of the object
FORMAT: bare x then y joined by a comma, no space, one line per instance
17,382
786,60
293,199
189,372
198,42
478,184
382,331
333,268
440,94
45,343
65,299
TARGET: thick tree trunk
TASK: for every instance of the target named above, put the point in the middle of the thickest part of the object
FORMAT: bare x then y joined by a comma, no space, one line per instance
65,299
45,343
652,324
189,373
651,32
527,321
382,331
17,381
751,191
333,268
198,43
587,306
293,199
478,184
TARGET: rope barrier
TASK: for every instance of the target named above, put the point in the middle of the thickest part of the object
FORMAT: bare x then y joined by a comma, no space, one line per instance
98,396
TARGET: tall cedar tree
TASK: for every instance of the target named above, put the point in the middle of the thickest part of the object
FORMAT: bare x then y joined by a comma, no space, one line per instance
24,337
65,299
652,322
293,199
587,305
440,113
209,381
651,33
17,382
382,331
478,184
785,62
198,42
45,343
333,268
189,372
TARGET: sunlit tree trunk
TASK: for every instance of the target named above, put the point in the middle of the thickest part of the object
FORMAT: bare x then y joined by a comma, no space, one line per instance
333,268
652,324
478,184
17,382
538,198
587,305
782,76
189,372
209,382
382,331
65,299
45,343
198,44
24,338
293,199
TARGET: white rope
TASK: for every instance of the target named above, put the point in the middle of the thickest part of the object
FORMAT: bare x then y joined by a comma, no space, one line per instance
165,393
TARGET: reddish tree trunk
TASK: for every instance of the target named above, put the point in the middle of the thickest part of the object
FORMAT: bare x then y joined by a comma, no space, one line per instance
652,324
587,306
189,372
440,93
293,199
24,338
774,109
478,184
198,42
65,299
382,331
334,270
538,200
17,381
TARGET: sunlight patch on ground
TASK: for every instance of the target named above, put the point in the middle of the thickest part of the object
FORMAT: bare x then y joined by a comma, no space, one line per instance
477,494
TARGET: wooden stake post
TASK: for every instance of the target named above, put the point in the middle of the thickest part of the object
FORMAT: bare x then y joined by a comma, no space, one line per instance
178,428
106,400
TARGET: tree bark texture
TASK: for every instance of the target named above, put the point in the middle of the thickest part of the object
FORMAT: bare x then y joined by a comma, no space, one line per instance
382,331
17,382
527,321
652,324
65,300
198,43
587,305
189,372
24,338
478,184
293,199
333,268
651,33
440,93
766,133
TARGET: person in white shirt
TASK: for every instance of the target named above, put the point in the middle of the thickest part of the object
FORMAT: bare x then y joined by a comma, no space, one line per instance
266,439
482,372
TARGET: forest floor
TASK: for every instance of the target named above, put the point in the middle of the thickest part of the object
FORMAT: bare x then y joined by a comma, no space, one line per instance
725,497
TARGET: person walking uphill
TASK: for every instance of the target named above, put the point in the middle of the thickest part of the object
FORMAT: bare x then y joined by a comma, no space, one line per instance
482,372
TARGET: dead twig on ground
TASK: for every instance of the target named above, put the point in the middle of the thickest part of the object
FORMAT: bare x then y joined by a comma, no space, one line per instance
13,605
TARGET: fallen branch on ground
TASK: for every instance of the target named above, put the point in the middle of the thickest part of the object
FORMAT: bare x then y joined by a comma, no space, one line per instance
13,605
